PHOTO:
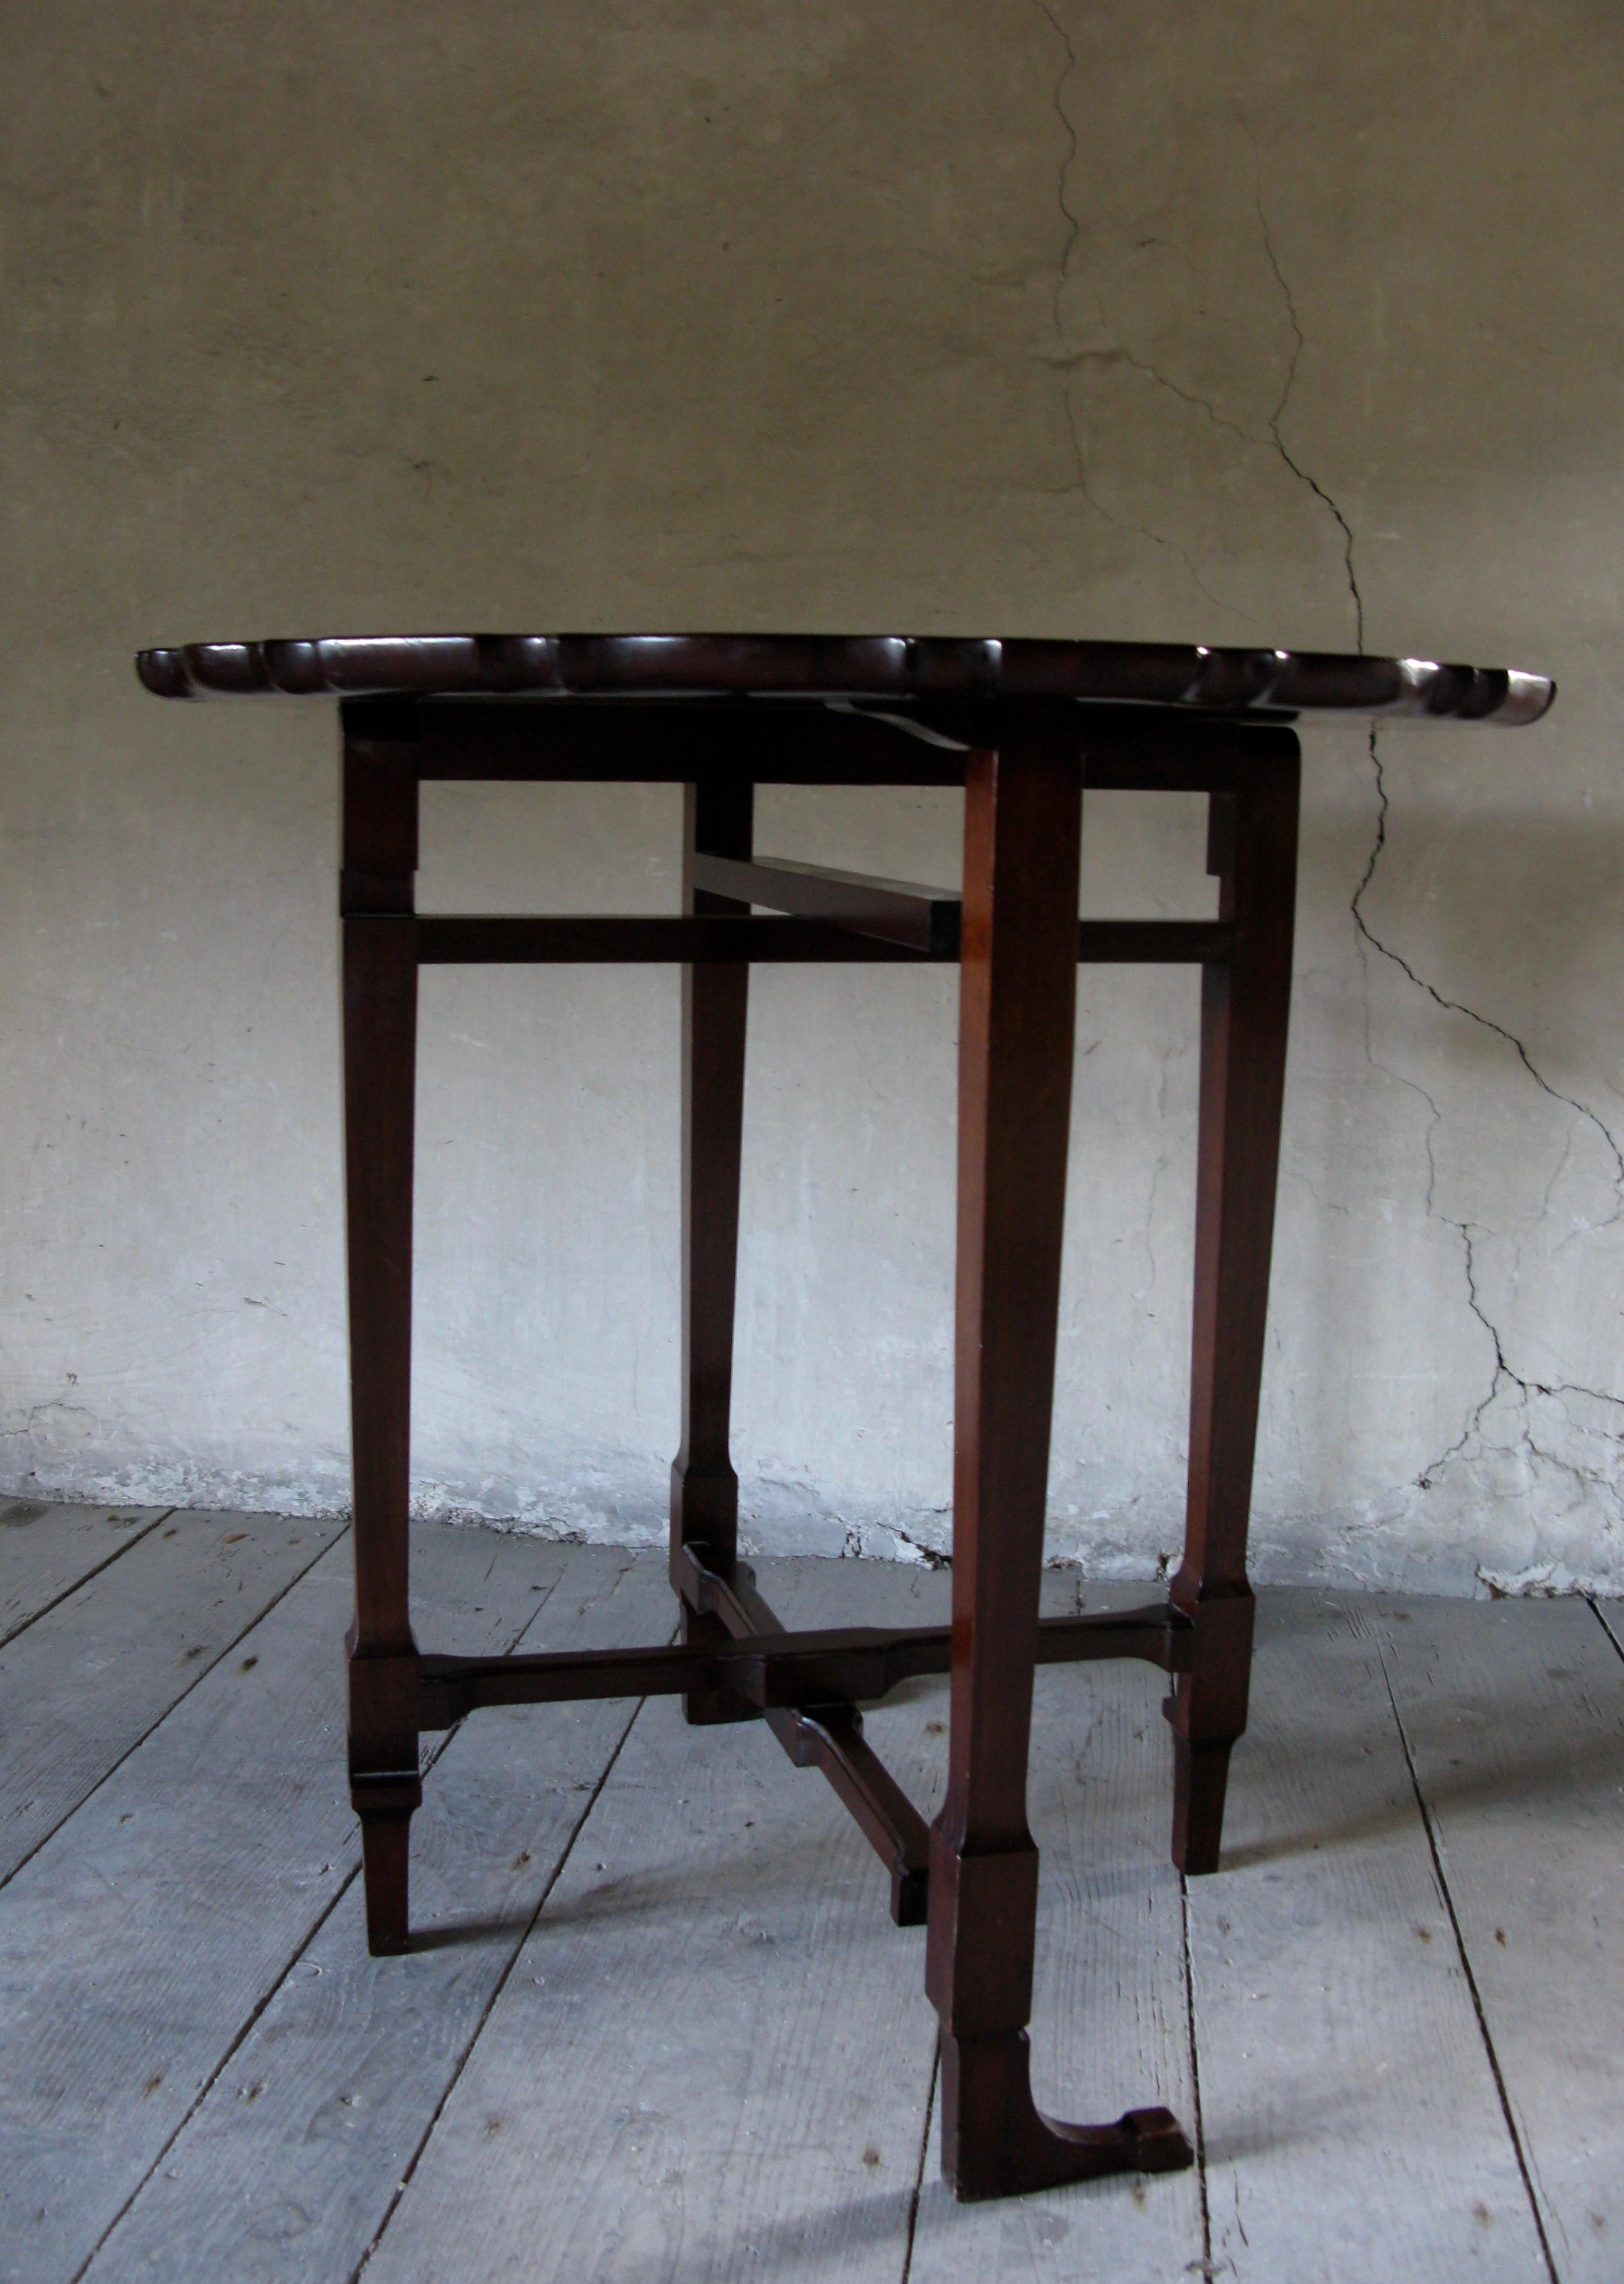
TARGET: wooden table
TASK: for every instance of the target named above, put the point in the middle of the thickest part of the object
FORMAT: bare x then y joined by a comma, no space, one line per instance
1024,727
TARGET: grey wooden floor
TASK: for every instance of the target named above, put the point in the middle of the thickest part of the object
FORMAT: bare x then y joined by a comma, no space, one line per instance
658,2028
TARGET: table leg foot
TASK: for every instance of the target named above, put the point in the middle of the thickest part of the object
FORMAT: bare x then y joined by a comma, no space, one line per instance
384,1856
1201,1779
997,2143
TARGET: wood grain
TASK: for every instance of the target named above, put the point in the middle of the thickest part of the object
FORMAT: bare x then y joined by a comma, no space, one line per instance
47,1550
712,2057
719,819
458,939
89,1679
137,1945
289,2167
1353,2129
1017,1000
1252,848
727,2022
1109,2026
1513,1713
378,994
897,911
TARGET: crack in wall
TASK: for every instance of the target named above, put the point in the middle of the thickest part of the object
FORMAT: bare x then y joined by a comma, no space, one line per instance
1083,486
36,1412
1149,371
1459,1007
1057,98
859,1542
1298,344
1070,360
1506,1373
1504,1376
1586,1478
1435,1467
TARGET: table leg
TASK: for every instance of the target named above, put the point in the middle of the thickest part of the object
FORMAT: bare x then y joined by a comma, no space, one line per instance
380,998
1017,998
1245,1004
718,819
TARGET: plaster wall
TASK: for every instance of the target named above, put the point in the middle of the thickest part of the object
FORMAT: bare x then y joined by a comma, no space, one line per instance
1276,322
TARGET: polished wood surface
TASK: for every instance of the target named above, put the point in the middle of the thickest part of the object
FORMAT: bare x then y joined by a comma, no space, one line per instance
1025,762
827,1736
848,666
1246,1000
894,911
702,940
764,1668
1017,1018
718,819
376,894
697,939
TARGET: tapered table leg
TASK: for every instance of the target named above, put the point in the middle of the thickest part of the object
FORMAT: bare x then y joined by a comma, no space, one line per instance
1245,1004
1017,996
717,820
379,1013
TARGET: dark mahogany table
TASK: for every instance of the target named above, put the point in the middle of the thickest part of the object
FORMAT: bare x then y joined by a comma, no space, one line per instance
1024,727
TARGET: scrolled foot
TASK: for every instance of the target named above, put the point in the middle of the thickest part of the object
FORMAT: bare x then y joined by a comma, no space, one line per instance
995,2142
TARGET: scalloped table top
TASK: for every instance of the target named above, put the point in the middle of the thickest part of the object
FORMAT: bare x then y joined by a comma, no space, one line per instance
899,667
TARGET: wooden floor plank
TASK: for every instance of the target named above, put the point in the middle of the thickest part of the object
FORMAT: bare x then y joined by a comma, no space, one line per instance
289,2167
87,1680
712,2057
710,2060
46,1551
1110,2028
1514,1717
1354,2130
1611,1615
137,1943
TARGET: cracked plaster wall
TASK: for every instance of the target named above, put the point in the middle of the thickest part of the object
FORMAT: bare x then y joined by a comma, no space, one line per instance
1280,324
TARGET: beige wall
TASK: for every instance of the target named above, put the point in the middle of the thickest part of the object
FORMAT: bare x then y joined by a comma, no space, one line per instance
1168,320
